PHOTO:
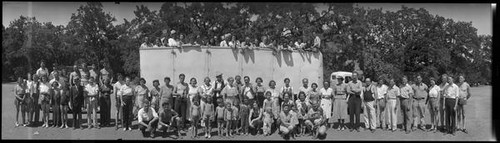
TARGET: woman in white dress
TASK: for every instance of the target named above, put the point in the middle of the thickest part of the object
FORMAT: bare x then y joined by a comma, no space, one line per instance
194,90
326,101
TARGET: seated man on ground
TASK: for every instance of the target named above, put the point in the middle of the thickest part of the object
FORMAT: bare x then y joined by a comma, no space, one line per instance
147,119
316,121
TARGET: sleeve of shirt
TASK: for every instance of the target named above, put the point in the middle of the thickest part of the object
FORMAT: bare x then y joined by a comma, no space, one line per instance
155,114
139,118
457,90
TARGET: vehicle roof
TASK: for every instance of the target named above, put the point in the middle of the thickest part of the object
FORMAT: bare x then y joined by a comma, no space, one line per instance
342,73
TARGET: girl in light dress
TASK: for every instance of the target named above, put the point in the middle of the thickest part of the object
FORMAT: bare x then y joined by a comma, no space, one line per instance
194,91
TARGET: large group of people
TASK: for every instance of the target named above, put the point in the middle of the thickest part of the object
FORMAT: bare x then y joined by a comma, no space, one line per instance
230,40
236,107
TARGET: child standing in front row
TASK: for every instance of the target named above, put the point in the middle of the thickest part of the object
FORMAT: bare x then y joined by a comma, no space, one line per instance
208,116
220,116
244,111
195,115
228,118
268,121
235,118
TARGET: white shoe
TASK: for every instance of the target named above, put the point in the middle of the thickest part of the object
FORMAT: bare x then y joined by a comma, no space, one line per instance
124,129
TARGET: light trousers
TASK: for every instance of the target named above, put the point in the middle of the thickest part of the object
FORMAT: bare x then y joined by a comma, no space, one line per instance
91,110
369,115
391,113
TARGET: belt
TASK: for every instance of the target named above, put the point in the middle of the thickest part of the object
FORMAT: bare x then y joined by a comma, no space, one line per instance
433,97
450,98
418,98
391,98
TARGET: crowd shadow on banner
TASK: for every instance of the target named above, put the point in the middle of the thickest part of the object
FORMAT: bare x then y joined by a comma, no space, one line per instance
249,55
190,48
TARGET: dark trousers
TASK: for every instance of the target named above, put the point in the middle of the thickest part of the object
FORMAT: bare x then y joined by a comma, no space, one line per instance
181,108
450,114
77,114
150,128
405,109
354,110
260,99
105,104
127,111
36,108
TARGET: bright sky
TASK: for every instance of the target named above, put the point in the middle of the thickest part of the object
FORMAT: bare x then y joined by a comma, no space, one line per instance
59,13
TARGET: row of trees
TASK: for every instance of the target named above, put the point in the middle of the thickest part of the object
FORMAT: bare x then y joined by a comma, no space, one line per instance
408,41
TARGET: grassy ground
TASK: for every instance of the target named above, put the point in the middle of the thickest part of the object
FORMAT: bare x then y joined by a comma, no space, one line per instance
478,112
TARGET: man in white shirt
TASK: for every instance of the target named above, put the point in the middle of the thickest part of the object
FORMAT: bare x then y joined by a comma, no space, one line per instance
42,71
451,95
91,94
171,41
147,119
380,96
224,43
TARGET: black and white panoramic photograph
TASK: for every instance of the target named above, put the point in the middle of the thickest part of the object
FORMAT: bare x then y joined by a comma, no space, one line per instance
259,71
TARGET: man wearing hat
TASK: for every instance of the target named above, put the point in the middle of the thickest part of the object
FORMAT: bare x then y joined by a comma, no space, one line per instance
218,86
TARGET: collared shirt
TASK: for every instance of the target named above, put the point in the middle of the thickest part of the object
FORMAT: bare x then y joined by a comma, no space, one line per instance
92,90
146,116
442,87
260,88
326,93
340,91
181,89
230,91
434,91
126,90
305,90
275,93
393,92
463,90
381,91
42,71
166,91
451,91
354,87
141,90
406,91
420,90
207,89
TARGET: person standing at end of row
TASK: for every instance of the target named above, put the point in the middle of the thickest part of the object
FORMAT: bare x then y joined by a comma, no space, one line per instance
464,95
